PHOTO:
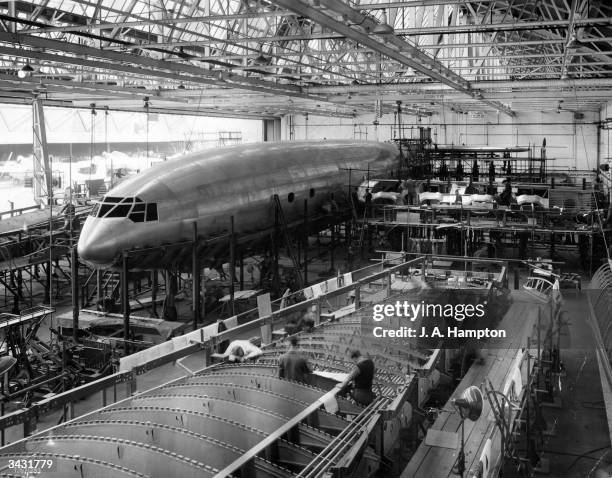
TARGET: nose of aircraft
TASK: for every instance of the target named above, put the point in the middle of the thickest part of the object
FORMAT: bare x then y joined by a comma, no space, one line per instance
96,245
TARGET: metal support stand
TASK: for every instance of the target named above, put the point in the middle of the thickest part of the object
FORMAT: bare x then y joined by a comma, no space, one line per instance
282,222
241,267
274,237
305,242
125,302
98,285
232,265
154,287
74,263
49,285
195,272
333,244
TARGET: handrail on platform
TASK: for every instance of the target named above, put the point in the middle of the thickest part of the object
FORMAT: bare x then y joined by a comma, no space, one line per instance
24,416
280,431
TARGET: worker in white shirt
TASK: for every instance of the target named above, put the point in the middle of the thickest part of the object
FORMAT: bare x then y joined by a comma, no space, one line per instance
242,350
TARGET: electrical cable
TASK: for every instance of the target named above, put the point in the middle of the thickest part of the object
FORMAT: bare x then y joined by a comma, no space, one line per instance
596,405
576,455
193,124
582,456
598,462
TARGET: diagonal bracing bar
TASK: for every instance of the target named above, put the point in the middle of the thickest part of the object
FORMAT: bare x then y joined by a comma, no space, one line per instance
43,185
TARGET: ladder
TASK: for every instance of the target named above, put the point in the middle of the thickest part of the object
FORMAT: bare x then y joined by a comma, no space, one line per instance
109,286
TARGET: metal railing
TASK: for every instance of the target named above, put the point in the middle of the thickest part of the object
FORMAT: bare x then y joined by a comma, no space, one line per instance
378,274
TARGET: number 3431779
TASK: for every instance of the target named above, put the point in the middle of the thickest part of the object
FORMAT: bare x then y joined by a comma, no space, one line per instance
31,465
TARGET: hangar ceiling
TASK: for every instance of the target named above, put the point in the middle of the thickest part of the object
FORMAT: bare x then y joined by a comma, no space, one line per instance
260,58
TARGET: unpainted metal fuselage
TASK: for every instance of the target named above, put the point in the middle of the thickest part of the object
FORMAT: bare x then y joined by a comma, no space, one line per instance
209,187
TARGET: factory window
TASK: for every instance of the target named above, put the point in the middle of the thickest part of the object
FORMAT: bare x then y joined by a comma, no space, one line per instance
312,192
152,211
291,197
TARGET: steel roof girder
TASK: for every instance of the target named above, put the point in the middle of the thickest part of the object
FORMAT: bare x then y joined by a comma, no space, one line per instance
177,76
159,66
413,60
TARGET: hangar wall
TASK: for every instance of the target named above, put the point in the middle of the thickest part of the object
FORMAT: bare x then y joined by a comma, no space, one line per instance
572,142
70,125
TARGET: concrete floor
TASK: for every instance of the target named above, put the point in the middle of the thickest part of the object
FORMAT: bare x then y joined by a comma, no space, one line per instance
581,443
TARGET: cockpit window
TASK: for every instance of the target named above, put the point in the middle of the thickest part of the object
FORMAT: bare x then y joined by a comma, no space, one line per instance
104,208
122,210
151,211
133,208
138,212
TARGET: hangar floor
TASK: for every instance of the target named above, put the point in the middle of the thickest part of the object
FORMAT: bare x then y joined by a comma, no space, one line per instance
581,438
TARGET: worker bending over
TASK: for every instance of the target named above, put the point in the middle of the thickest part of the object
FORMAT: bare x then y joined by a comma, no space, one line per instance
242,350
361,378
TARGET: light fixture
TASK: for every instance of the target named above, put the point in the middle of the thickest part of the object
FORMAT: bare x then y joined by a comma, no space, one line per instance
383,28
261,59
26,71
469,405
6,363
